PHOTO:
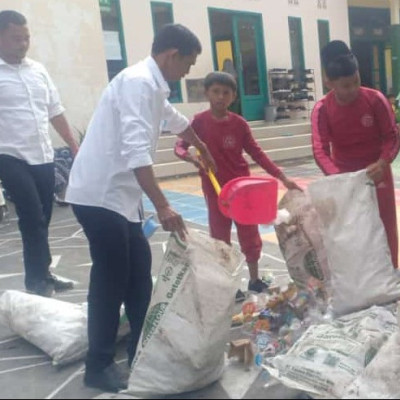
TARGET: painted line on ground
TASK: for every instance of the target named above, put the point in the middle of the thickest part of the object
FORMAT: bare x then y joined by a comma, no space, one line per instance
6,276
22,358
66,382
9,340
55,261
7,371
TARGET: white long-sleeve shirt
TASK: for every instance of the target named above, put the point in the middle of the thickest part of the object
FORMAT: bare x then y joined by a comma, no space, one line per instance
28,100
121,137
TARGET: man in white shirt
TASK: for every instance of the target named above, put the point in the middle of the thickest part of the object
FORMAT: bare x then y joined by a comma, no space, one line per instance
28,101
110,173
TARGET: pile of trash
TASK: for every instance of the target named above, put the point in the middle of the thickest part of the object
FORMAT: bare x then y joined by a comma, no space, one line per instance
273,322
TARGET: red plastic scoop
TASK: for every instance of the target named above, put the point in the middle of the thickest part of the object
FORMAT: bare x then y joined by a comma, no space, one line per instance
248,200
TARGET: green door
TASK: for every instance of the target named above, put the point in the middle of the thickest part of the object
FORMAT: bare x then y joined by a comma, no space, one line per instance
250,65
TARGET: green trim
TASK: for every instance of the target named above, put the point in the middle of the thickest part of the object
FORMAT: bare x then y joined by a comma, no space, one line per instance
236,16
382,66
228,11
213,42
262,57
325,22
301,41
169,8
121,32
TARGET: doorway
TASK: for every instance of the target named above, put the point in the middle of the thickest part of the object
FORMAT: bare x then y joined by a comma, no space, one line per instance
372,64
238,48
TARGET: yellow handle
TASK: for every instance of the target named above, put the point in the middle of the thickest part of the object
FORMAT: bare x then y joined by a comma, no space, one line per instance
213,179
214,182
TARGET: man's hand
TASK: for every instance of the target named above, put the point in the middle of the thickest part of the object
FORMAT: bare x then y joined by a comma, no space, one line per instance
190,136
376,171
172,221
74,147
206,159
194,160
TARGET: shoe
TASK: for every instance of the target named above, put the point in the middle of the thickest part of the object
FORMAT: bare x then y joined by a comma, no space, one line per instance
44,288
61,286
110,379
240,297
257,286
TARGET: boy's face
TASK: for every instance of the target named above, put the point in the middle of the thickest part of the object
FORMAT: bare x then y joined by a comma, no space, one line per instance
346,88
220,96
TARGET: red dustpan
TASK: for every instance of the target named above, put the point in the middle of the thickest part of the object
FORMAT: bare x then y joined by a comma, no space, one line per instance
248,200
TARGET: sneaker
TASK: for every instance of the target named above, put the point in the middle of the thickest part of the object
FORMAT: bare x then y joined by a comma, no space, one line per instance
61,286
110,379
44,288
240,296
258,286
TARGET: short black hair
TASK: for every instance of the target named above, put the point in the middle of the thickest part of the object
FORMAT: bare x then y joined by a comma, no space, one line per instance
338,60
221,78
8,17
176,36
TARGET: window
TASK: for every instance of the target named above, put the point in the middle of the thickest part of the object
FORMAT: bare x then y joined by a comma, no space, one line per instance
162,15
113,35
296,47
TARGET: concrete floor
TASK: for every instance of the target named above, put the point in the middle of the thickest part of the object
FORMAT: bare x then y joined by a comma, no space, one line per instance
25,372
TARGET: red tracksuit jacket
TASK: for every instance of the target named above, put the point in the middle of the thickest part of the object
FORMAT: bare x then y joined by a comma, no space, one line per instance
351,137
226,140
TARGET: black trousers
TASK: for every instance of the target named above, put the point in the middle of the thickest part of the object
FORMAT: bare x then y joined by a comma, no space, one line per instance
31,188
121,274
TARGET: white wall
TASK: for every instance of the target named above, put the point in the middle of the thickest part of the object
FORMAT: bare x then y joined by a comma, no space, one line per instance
66,36
194,14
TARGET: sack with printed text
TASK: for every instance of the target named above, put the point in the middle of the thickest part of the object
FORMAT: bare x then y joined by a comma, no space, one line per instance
301,243
329,357
187,326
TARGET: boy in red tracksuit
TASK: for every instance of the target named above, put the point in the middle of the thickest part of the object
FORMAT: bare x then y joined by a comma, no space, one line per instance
226,135
353,128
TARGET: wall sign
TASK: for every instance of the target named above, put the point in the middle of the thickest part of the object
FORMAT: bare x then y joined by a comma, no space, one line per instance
322,4
294,2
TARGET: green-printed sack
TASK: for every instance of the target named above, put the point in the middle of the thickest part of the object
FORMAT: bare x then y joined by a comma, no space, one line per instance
188,322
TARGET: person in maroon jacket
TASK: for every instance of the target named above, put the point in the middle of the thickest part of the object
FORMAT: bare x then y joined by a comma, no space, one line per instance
227,135
354,128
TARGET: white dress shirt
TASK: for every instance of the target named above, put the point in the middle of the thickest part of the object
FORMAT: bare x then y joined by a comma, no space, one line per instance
28,100
121,137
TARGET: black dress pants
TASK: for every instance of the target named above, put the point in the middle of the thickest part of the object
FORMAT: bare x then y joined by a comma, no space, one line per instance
121,274
31,188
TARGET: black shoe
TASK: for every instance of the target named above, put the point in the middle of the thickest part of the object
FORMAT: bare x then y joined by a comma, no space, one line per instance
61,286
240,296
44,288
257,286
110,379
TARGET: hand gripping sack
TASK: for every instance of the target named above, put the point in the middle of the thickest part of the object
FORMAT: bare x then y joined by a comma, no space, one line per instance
355,240
187,326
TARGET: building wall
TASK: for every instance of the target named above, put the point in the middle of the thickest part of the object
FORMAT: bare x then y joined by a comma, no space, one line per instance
66,36
194,14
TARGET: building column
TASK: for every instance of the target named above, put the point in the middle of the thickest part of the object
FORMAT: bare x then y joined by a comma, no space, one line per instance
395,42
